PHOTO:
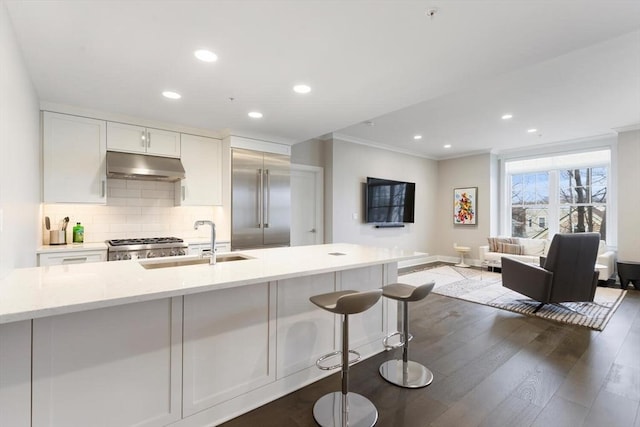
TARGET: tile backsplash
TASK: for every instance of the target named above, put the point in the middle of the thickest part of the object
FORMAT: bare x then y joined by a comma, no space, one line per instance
137,209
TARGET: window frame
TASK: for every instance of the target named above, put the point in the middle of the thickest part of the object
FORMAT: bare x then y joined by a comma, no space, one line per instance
584,146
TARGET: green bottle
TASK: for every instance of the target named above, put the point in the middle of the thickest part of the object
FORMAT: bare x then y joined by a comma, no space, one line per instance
78,233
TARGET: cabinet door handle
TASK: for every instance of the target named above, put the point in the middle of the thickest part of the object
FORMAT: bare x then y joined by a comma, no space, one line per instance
260,194
143,138
184,190
74,260
148,139
104,188
267,198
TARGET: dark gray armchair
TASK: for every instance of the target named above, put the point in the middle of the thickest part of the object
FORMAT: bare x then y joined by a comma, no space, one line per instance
567,274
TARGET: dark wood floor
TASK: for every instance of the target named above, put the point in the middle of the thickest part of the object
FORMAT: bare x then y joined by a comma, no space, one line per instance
494,368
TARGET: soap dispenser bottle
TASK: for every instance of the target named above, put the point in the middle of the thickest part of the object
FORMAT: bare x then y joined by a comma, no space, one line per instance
78,233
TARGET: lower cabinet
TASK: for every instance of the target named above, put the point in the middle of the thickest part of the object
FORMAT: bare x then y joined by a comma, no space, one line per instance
229,344
117,366
71,257
306,332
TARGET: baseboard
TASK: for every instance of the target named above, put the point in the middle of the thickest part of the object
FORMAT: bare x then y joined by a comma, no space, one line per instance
418,261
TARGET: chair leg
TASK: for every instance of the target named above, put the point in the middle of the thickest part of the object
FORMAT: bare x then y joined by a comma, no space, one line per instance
404,372
344,408
538,307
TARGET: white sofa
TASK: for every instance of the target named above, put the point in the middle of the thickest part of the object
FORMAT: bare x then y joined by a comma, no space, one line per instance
535,248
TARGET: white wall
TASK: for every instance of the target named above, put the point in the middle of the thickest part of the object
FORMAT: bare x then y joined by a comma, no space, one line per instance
628,200
308,153
20,176
350,166
472,171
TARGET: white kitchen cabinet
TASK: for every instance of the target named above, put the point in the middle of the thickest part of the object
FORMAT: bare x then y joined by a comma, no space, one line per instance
306,332
15,374
202,161
229,344
71,257
74,166
140,139
116,366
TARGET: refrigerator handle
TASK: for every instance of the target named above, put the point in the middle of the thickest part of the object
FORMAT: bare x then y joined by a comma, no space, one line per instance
267,207
260,195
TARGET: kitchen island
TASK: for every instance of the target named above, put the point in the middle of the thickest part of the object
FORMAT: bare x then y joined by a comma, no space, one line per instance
191,345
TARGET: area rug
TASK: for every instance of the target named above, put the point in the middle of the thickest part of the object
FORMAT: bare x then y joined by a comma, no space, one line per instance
484,287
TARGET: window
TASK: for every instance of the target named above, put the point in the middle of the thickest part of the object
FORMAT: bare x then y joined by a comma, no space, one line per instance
560,194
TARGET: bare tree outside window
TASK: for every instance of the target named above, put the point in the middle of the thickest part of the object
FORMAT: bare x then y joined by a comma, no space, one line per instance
583,197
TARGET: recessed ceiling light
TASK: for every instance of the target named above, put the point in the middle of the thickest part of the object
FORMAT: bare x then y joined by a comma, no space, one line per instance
302,89
255,115
417,136
447,146
507,116
171,95
532,130
205,55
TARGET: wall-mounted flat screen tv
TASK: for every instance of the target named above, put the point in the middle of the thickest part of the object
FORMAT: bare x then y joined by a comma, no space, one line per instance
389,202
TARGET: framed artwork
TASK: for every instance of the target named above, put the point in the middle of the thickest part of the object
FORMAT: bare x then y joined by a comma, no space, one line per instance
465,206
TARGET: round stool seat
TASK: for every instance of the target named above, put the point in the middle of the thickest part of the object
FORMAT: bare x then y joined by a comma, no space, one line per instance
403,292
347,302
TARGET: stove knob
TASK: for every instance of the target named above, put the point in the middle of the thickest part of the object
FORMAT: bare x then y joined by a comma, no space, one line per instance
150,255
162,254
173,253
126,256
117,257
181,252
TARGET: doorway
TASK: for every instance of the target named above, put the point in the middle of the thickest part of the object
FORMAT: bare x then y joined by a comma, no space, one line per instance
307,205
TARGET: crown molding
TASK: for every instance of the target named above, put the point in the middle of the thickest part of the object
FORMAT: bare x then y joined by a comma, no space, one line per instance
360,141
628,128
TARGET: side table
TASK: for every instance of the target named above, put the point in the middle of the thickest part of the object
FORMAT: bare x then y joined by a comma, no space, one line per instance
629,271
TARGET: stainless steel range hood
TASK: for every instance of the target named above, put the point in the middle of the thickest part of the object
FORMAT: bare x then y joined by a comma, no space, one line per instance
141,166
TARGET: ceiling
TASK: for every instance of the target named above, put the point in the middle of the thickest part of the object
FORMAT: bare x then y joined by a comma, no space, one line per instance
568,68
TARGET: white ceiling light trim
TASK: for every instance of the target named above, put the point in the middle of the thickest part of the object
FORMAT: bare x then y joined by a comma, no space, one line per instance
205,55
507,116
255,114
416,137
302,88
447,146
532,130
171,95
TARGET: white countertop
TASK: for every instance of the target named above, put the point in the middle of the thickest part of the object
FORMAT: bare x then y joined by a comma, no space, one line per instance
29,293
72,247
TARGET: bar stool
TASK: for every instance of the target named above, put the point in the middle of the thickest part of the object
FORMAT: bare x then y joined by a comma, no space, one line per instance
345,408
404,372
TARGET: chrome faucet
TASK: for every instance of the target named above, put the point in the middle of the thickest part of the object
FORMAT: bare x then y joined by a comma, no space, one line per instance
198,223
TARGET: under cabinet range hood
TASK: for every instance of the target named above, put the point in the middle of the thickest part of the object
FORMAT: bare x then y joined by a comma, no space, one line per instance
142,166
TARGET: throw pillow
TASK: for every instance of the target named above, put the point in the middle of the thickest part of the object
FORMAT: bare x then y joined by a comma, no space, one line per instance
494,241
510,248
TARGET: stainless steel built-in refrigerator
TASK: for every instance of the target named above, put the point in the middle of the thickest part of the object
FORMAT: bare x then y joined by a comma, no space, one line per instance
260,200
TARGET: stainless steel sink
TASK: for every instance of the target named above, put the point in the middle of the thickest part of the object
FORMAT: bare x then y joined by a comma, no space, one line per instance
170,262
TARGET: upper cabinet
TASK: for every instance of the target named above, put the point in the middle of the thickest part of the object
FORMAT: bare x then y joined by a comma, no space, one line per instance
74,152
202,161
139,139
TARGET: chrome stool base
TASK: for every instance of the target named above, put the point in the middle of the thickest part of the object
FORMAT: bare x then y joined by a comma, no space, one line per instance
361,412
406,374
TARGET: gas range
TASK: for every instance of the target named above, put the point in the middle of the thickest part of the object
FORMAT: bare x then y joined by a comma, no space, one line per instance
124,249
